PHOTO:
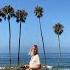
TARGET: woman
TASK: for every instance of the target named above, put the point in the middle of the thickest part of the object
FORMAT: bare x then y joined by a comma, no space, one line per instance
34,63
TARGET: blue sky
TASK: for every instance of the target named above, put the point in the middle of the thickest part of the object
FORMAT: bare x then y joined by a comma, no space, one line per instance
54,11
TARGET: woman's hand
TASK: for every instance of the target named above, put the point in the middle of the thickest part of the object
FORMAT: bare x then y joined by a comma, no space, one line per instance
27,66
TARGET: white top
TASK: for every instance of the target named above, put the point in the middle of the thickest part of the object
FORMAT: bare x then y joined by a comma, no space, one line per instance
35,60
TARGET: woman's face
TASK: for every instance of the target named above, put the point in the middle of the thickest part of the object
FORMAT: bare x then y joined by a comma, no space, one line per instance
33,50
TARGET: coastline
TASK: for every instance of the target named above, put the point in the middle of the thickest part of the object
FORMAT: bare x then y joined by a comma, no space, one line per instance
43,68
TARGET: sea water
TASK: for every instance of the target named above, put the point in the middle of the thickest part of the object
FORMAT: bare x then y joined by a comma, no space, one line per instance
52,59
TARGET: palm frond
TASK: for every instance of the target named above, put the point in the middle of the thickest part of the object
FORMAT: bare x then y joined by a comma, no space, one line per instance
2,15
38,11
21,15
58,28
8,11
0,19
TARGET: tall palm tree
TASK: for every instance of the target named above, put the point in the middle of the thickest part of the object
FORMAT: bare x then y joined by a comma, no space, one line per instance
39,13
58,29
20,17
7,13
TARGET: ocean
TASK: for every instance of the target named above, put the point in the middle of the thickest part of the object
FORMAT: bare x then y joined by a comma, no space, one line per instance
53,59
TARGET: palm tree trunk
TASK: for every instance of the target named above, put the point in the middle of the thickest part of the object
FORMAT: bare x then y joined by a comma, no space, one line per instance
59,45
9,42
59,49
19,45
43,42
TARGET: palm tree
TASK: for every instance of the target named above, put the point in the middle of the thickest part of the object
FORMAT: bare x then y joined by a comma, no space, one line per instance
20,17
39,13
7,13
58,29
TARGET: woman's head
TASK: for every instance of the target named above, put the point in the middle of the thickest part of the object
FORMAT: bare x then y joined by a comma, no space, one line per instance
34,50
